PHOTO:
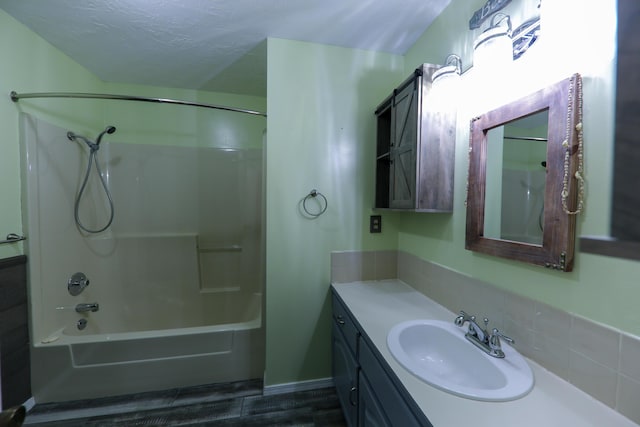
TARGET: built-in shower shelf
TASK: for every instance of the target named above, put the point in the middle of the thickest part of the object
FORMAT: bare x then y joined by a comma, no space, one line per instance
220,268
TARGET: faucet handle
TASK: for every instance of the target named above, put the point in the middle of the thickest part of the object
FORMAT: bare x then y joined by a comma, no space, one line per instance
495,345
496,335
463,317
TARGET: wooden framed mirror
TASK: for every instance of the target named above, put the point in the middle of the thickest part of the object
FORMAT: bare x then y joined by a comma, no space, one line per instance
525,183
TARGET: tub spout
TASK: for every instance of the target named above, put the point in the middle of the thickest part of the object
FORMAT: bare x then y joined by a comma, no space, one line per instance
83,308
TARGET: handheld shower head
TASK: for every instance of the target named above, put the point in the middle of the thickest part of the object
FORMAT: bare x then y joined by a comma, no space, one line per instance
92,145
109,129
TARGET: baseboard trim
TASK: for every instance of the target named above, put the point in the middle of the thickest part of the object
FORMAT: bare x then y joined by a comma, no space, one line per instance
298,386
29,404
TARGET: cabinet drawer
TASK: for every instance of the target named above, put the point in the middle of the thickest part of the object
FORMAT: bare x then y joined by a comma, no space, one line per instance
345,324
393,404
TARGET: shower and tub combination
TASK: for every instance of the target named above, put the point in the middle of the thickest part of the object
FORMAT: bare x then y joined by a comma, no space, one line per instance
145,262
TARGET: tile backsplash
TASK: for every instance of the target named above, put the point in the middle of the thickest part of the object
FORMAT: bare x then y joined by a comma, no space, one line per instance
599,360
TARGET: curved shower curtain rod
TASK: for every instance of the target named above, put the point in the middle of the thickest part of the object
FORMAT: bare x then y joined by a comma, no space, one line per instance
16,96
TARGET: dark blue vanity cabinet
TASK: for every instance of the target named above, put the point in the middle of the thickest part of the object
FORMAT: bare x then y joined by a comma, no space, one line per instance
368,391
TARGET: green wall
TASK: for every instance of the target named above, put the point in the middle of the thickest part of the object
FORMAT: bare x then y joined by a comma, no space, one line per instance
33,65
574,38
321,133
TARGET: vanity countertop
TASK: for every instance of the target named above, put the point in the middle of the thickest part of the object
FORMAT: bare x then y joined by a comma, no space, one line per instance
379,305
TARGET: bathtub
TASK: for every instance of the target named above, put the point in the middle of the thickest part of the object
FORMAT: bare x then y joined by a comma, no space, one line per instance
102,360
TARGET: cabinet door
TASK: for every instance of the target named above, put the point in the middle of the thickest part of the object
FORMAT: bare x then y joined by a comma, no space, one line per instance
345,370
370,412
391,401
403,147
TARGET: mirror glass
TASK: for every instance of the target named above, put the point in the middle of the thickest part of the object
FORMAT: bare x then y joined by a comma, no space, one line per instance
522,191
515,181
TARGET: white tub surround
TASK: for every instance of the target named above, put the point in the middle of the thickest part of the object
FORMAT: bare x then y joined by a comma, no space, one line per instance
379,305
175,294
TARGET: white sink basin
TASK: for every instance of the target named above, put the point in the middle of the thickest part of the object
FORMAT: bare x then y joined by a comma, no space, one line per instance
438,353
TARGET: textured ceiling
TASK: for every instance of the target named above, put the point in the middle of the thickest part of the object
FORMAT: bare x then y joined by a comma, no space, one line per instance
217,45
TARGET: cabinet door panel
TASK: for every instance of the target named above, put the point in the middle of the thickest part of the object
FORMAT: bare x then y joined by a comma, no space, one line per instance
345,370
403,151
392,402
370,412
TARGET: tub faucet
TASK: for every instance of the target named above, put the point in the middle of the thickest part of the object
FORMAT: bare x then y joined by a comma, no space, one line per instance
85,307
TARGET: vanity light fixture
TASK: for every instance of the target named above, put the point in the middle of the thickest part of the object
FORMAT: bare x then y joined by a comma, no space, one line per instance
451,69
494,47
445,85
525,36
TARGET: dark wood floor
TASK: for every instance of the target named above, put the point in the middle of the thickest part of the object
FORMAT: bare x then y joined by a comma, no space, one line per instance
233,404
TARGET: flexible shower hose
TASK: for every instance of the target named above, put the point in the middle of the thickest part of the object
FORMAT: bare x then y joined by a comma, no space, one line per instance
92,158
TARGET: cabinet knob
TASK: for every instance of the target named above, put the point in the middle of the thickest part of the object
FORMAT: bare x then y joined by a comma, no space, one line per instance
340,320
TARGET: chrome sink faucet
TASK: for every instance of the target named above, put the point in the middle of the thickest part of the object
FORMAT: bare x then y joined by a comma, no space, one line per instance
85,307
478,336
475,330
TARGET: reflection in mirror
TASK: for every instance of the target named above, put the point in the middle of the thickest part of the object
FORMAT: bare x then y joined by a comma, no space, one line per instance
515,182
525,177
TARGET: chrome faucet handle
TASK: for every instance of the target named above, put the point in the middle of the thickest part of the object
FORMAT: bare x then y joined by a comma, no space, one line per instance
77,282
494,339
503,336
463,317
495,346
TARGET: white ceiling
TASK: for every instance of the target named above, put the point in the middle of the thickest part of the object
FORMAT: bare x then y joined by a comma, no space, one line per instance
216,45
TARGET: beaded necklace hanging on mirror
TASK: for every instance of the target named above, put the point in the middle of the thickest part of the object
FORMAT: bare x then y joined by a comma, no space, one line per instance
579,175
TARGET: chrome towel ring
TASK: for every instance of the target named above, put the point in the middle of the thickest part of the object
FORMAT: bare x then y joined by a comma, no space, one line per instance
322,201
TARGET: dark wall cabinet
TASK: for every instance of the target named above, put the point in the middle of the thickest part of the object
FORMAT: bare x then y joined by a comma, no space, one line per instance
366,388
415,150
